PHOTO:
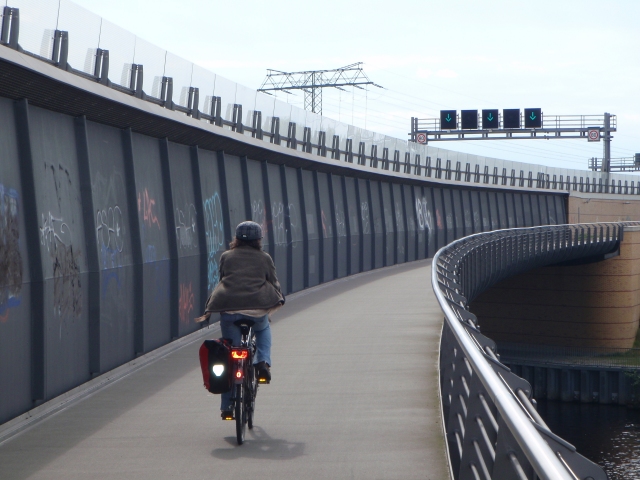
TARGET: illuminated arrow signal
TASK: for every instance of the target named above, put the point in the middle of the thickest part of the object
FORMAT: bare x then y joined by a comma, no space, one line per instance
448,119
490,119
532,118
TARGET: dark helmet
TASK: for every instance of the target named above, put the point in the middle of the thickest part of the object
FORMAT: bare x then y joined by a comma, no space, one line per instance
248,231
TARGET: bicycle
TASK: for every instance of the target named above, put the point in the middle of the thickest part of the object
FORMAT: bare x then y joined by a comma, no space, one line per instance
245,386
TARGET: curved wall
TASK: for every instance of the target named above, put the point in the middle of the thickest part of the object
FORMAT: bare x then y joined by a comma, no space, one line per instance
110,238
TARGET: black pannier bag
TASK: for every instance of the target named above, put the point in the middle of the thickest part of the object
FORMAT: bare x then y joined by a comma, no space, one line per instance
215,361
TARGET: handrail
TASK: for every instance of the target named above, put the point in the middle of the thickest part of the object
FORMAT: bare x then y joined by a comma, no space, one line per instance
460,272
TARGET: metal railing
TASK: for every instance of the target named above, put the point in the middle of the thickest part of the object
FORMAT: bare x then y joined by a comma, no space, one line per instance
625,164
492,427
159,77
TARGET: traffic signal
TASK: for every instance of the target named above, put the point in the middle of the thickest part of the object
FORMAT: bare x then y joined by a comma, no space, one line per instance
532,118
511,118
448,120
469,119
490,119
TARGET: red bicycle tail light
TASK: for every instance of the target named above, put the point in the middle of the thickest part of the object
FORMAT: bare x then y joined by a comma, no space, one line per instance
239,374
239,354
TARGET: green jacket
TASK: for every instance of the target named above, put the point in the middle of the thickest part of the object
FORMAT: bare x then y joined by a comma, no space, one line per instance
247,281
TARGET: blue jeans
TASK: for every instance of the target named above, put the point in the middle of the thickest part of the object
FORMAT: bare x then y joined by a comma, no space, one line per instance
263,342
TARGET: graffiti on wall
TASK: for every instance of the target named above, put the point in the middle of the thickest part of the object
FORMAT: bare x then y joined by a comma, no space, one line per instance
10,258
214,231
364,211
280,213
56,236
326,226
110,230
186,221
341,226
147,208
186,301
259,215
423,214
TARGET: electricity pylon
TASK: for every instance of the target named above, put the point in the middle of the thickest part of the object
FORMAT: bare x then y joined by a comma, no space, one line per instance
312,82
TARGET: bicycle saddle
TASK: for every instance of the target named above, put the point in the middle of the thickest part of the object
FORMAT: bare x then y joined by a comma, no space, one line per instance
244,322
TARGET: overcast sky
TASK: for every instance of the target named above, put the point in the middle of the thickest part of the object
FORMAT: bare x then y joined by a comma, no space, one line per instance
567,57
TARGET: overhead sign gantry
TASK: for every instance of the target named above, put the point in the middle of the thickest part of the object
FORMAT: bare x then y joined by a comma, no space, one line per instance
514,124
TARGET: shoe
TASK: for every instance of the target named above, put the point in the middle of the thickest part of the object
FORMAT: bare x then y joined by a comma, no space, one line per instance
263,372
227,414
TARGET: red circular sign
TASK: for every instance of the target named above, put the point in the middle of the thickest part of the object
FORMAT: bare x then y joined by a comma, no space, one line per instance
421,138
594,135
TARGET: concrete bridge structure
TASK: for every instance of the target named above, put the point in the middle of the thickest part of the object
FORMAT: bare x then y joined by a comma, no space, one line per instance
116,204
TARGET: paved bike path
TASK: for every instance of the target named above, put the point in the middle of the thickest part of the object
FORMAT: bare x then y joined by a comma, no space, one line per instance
353,396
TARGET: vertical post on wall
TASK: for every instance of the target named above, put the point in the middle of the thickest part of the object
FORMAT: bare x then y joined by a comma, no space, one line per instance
359,196
362,157
248,213
316,189
139,93
14,34
413,206
224,197
136,242
104,69
267,208
435,224
21,110
202,234
172,241
305,230
6,23
395,224
334,224
384,225
287,226
91,246
347,221
60,51
372,223
275,130
405,224
291,136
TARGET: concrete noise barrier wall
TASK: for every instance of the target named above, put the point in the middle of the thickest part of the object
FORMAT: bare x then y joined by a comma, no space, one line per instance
110,239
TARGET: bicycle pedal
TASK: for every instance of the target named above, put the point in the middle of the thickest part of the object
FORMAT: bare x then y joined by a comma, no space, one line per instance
227,417
263,381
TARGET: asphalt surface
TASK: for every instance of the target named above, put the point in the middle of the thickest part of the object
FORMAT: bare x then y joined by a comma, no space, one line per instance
353,396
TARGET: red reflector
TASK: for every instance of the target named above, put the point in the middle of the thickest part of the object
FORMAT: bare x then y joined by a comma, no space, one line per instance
238,374
239,354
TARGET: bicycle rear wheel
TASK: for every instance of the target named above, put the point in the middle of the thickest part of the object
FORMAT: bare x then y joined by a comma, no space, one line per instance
241,413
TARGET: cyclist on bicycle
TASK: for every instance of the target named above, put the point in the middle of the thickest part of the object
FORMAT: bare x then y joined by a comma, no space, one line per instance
248,288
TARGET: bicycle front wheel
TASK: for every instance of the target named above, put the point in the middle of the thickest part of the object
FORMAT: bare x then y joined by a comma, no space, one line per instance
241,413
